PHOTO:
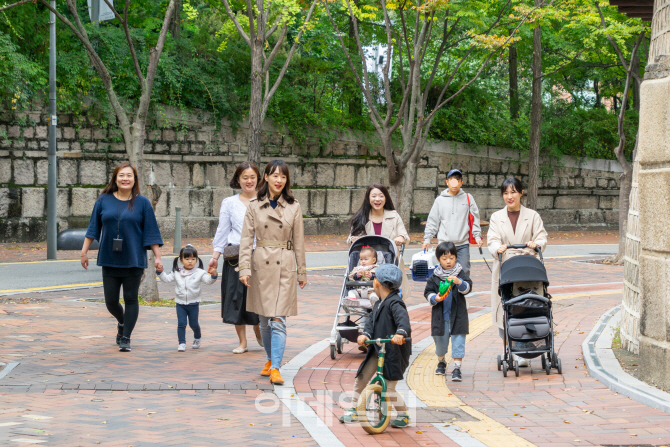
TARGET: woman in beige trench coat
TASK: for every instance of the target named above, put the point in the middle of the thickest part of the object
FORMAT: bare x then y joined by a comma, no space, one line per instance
275,268
377,216
514,224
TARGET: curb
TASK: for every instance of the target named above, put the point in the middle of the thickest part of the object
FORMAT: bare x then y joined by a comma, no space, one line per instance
603,365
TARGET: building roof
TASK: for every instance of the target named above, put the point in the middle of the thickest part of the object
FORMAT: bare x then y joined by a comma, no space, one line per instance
643,9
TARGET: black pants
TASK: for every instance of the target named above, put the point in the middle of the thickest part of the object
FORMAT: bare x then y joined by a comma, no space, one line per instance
112,280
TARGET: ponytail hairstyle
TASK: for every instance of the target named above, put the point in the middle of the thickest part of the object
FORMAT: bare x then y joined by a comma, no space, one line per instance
187,252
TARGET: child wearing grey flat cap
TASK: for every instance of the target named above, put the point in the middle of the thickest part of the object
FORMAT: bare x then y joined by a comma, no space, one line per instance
389,318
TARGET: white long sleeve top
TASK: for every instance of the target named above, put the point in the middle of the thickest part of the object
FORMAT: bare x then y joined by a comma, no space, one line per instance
231,218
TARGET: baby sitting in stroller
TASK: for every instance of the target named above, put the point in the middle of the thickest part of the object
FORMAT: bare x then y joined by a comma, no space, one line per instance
363,296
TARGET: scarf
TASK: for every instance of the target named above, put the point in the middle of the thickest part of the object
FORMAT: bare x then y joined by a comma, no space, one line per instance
186,273
444,274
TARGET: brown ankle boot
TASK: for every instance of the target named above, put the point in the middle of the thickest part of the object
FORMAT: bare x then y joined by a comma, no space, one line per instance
275,377
266,368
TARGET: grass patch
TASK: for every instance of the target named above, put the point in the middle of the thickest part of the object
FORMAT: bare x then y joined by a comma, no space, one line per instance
162,302
616,341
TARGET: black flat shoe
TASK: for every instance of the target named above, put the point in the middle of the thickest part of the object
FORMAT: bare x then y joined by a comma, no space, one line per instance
124,345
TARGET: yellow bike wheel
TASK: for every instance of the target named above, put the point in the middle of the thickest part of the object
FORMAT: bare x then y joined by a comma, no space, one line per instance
373,410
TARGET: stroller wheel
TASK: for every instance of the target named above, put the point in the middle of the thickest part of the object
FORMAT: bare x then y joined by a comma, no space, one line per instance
559,367
516,368
333,355
544,362
554,359
499,363
504,368
547,367
338,343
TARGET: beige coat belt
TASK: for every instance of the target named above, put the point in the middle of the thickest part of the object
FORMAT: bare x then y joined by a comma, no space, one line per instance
281,244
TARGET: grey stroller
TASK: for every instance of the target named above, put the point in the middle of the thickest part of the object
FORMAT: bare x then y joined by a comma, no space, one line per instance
349,319
527,323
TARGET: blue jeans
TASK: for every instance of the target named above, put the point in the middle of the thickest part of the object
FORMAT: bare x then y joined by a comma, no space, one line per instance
463,258
273,334
190,312
442,343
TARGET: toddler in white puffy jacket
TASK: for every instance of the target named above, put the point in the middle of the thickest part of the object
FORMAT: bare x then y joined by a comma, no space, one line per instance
188,288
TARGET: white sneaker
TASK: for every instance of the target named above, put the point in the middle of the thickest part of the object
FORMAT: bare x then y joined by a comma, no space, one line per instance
196,343
182,347
523,363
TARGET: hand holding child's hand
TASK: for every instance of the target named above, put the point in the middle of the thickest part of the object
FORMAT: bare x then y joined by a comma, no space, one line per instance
398,339
361,339
455,279
159,268
212,271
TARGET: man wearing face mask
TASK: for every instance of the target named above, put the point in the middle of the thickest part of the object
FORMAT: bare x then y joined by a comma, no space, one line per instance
448,219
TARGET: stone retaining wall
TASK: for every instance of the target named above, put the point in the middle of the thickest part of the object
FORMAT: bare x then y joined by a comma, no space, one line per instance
192,163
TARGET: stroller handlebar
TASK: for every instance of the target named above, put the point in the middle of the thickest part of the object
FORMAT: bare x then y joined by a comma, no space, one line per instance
521,247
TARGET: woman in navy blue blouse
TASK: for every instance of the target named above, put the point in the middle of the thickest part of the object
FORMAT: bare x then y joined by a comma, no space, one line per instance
124,224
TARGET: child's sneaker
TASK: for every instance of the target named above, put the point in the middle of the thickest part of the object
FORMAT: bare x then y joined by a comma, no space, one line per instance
402,421
441,369
196,343
456,375
182,347
349,416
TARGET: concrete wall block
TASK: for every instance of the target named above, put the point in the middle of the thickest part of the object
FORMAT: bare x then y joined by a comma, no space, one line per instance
482,180
198,175
612,217
13,131
333,225
216,174
545,202
338,201
63,203
608,202
423,201
311,226
42,172
217,197
33,203
426,177
559,217
602,183
162,205
357,198
5,202
84,134
317,202
590,217
24,172
93,172
83,201
655,290
576,202
345,175
68,172
168,135
181,175
5,170
99,134
302,196
154,135
180,197
325,175
305,176
41,132
161,173
368,175
201,203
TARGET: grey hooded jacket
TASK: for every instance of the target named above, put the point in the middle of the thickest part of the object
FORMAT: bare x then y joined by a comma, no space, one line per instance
448,219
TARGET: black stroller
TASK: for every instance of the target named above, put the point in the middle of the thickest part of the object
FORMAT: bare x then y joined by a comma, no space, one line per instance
527,317
349,319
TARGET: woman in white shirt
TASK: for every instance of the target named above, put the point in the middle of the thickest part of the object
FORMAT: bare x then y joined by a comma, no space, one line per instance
231,218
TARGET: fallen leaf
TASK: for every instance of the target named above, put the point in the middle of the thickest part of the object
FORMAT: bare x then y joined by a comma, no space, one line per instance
152,412
253,424
419,432
446,425
567,422
104,422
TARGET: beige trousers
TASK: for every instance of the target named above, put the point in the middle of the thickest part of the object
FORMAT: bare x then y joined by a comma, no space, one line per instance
363,380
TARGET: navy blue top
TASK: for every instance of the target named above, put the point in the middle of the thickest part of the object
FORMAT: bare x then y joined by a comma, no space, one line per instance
137,227
273,204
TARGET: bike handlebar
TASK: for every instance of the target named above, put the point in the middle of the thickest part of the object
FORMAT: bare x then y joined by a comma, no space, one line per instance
384,340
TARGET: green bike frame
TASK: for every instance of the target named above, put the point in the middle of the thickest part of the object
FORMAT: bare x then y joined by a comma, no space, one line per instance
379,377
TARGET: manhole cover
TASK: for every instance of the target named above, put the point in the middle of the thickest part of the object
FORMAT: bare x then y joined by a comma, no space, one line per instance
442,414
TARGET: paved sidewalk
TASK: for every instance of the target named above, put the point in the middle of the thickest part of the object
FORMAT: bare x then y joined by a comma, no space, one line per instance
73,387
19,252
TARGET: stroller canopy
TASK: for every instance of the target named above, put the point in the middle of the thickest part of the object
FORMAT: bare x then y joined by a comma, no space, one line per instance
523,268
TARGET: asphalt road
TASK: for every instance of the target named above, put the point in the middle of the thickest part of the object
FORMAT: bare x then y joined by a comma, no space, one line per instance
44,275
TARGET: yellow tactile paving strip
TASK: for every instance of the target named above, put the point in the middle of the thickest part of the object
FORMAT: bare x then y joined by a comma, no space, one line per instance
433,391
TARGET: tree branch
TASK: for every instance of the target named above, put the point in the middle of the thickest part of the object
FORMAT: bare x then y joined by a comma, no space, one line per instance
275,50
126,30
615,45
232,17
6,7
564,65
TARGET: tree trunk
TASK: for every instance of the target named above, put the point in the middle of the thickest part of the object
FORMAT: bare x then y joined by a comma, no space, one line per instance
351,90
513,84
404,189
596,89
625,182
256,102
635,68
535,120
175,23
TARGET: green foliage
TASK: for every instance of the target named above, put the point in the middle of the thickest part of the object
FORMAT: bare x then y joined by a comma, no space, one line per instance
20,78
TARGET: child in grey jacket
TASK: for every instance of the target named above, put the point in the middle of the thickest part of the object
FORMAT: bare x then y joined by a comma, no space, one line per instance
189,280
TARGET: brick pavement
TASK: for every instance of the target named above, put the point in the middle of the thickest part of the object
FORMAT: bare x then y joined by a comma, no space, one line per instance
68,362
